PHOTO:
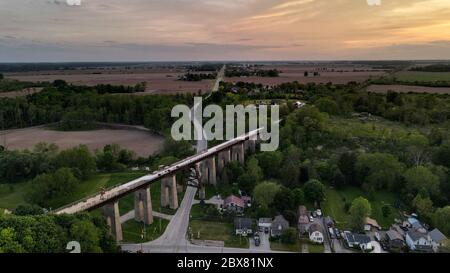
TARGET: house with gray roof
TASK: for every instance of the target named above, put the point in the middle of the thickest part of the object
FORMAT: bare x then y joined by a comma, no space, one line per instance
418,241
279,225
395,239
243,226
437,239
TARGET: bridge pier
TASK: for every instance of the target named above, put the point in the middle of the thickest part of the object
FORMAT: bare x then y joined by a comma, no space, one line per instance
237,153
143,211
169,194
112,214
223,158
251,145
208,173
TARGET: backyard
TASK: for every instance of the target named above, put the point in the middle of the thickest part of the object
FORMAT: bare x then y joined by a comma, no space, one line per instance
334,205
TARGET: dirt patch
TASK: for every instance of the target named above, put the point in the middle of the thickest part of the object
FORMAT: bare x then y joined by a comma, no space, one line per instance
157,81
327,73
142,142
25,92
407,89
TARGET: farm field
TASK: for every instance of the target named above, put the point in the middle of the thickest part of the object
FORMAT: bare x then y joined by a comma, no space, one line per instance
412,76
379,88
327,73
158,81
141,142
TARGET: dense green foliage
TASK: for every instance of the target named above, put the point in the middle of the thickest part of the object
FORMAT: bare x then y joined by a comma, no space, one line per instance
51,234
77,104
432,68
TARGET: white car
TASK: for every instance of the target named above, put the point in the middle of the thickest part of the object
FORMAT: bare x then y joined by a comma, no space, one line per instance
319,213
311,219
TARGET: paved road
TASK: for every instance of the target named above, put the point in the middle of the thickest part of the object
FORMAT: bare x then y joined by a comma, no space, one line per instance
130,215
265,243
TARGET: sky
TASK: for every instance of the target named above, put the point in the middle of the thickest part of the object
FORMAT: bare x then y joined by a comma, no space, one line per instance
191,30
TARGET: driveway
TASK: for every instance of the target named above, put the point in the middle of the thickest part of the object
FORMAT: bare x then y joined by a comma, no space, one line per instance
265,243
377,247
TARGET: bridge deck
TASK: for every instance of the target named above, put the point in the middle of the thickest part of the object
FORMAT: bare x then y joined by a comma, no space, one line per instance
98,200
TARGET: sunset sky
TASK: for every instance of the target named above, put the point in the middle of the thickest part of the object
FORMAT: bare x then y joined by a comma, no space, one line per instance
170,30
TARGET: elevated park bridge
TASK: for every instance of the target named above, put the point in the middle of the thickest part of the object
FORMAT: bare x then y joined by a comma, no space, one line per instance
204,163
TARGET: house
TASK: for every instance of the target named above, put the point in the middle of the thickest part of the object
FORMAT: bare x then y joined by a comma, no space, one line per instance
279,225
437,239
243,226
264,224
395,239
233,204
299,104
354,240
371,225
303,220
316,233
418,241
247,200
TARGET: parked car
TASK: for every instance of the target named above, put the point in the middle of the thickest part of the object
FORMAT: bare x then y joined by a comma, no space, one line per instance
319,213
257,240
337,232
332,235
314,214
377,237
311,219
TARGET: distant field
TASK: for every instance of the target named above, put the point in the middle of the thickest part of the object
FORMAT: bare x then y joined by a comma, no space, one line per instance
327,73
24,92
141,142
412,76
158,81
379,88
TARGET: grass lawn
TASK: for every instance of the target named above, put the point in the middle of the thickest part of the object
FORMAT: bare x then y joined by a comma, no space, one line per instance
198,211
334,205
313,248
278,246
218,232
13,195
132,230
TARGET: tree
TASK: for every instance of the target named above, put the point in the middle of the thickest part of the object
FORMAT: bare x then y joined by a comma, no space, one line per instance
314,191
264,193
347,166
87,235
79,159
247,182
23,210
327,105
421,179
270,163
442,156
49,189
359,210
424,206
254,169
284,200
299,196
441,219
379,170
179,149
289,236
8,242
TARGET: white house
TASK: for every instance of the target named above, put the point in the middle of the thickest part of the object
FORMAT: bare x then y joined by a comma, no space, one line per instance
418,241
316,233
437,239
264,224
